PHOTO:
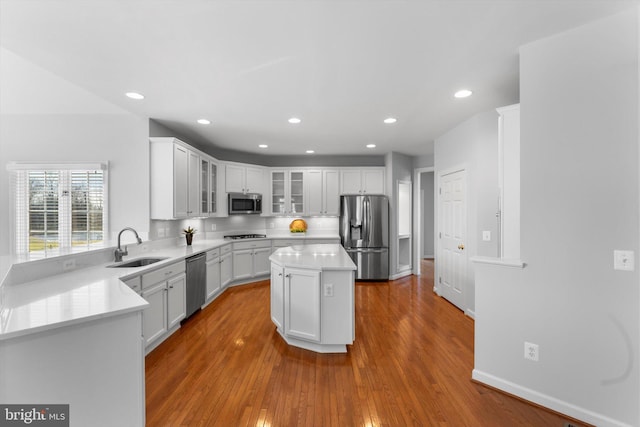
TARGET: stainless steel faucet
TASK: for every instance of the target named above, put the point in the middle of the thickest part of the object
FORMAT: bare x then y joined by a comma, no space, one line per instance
119,253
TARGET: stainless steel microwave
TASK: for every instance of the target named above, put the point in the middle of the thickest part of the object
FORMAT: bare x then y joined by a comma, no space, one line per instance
240,203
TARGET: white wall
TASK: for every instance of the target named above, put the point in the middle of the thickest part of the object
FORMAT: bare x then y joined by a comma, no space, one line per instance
579,201
473,145
45,118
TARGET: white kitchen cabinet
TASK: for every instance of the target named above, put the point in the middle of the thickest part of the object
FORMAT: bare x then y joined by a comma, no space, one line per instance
214,283
287,192
362,181
208,187
165,291
244,178
154,317
175,179
226,269
176,300
302,303
251,259
322,192
277,295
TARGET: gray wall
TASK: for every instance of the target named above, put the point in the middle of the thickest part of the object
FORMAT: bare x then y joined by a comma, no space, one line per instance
428,213
579,200
399,168
473,145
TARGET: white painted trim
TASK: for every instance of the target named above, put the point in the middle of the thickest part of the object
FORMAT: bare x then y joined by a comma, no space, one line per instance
547,401
400,275
417,233
515,263
470,313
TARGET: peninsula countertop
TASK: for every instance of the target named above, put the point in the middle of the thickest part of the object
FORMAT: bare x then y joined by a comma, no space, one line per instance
314,256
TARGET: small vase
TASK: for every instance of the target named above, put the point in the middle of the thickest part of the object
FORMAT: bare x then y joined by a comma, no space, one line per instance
189,238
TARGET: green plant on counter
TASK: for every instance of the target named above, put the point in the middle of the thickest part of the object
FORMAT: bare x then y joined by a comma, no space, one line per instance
189,230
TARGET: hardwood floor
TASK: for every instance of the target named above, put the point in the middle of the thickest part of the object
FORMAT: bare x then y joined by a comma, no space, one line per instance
410,365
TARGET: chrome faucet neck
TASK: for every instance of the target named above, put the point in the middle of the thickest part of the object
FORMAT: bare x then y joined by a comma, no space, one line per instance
119,252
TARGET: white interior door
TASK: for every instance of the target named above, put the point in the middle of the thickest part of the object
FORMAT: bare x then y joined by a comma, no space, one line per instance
452,224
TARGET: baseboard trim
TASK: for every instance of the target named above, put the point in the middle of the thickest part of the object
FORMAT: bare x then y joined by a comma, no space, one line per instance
400,275
545,401
470,313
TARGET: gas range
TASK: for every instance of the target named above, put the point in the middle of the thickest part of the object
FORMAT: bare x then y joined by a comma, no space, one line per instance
245,236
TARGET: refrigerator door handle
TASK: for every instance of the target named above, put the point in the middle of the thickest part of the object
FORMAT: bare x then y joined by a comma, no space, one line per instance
367,250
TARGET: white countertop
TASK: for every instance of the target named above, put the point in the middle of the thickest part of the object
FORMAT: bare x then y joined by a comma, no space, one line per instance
317,257
91,293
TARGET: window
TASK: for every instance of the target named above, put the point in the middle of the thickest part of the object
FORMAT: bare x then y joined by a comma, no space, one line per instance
59,208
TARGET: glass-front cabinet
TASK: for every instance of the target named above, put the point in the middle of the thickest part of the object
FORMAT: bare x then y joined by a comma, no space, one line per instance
204,186
287,192
213,186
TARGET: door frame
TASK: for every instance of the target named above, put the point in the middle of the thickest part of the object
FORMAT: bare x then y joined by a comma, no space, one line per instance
417,216
438,247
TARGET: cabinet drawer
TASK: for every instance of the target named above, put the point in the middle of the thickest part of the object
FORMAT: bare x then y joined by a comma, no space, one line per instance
213,254
252,244
134,284
162,274
225,249
281,243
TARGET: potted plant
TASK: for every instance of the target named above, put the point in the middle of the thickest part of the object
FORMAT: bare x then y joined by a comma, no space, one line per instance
188,234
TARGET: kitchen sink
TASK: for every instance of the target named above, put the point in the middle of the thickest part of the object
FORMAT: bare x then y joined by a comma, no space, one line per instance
138,262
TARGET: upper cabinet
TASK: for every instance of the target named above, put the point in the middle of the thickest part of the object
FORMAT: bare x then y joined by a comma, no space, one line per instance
175,179
368,180
287,192
323,190
244,178
184,181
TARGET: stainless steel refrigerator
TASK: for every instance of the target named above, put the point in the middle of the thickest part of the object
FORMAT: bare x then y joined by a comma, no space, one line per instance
364,233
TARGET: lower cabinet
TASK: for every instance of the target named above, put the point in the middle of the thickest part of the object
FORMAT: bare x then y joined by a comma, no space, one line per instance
302,303
226,269
214,283
277,295
251,259
165,291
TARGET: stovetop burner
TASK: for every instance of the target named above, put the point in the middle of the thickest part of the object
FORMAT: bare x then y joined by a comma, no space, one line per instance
245,236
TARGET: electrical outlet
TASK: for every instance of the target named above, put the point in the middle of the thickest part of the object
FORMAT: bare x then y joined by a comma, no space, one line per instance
486,236
531,351
68,264
328,289
623,260
213,227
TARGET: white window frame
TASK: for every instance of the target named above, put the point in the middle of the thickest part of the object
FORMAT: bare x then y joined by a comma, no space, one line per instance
20,206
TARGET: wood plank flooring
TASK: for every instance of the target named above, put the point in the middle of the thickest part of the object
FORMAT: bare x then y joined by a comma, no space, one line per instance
409,366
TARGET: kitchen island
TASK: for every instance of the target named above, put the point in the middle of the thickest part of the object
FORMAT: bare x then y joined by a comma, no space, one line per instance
312,297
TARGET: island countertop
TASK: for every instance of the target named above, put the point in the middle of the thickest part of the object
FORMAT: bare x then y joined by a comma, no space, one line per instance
316,256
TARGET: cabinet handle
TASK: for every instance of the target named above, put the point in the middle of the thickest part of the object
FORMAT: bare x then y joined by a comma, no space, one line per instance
168,273
279,274
288,275
170,286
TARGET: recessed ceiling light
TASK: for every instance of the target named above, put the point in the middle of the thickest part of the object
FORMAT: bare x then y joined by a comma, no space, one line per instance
263,146
371,145
390,120
134,95
310,151
294,120
462,93
204,121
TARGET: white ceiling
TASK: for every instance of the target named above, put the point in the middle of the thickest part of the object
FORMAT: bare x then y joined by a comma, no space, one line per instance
340,66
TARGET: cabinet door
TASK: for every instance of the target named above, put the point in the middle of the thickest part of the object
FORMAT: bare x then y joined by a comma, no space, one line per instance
296,192
373,181
213,188
234,179
254,180
277,296
350,181
331,192
154,317
176,300
261,261
226,270
302,304
242,264
194,185
213,278
180,181
278,193
313,182
204,187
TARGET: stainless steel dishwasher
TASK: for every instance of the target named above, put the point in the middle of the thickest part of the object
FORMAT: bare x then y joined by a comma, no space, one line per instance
196,282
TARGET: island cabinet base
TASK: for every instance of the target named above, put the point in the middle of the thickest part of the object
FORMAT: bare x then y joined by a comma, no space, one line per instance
313,308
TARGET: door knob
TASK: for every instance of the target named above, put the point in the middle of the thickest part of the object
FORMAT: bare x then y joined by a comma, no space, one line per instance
461,246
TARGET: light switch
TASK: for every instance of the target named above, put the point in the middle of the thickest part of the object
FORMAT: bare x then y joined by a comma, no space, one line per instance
623,260
486,236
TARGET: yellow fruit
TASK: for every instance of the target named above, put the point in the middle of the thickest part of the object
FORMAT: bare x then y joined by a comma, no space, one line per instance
298,226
